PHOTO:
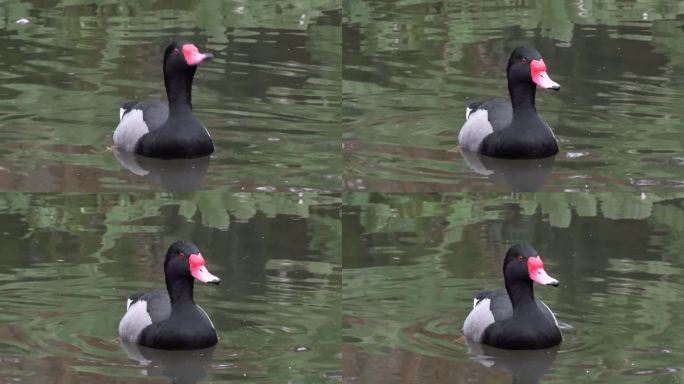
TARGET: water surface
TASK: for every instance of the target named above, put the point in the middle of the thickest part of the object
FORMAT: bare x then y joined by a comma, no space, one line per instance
270,98
69,261
410,67
413,262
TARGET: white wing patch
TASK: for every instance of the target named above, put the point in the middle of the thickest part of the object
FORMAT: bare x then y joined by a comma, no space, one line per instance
478,320
134,321
130,129
475,129
128,303
468,110
121,112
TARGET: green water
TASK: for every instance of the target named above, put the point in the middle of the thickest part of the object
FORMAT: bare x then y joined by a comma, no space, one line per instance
69,261
270,98
412,264
410,67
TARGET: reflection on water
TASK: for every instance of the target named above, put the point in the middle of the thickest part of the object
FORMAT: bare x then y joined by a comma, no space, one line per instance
525,366
181,367
409,68
70,261
413,262
519,175
270,98
177,175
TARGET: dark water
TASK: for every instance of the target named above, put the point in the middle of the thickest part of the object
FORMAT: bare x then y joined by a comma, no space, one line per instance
270,98
70,260
410,66
413,262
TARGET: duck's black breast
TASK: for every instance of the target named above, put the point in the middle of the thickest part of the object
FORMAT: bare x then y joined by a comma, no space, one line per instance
186,329
513,335
179,137
528,137
535,328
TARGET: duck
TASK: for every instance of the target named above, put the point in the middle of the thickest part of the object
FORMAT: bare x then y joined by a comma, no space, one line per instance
169,318
169,131
512,128
512,318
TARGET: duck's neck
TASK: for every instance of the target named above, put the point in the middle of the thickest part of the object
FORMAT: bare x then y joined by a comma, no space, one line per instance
522,96
179,90
180,291
521,293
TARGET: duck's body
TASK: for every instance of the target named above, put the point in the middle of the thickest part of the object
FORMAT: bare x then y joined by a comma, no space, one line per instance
512,318
154,129
170,319
512,128
508,329
149,321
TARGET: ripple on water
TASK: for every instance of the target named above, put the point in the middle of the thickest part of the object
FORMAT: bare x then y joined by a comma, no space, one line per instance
587,336
427,60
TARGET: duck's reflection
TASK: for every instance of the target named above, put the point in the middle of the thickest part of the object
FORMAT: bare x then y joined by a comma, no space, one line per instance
526,366
177,175
520,175
181,367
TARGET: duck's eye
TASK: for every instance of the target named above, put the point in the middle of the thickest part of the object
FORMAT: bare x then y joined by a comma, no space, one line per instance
175,51
520,258
181,255
523,60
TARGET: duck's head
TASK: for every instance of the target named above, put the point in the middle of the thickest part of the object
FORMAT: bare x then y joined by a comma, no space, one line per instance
184,261
523,263
526,65
182,56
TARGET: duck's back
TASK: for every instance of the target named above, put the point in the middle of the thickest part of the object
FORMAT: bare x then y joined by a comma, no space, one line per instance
142,310
136,119
482,119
